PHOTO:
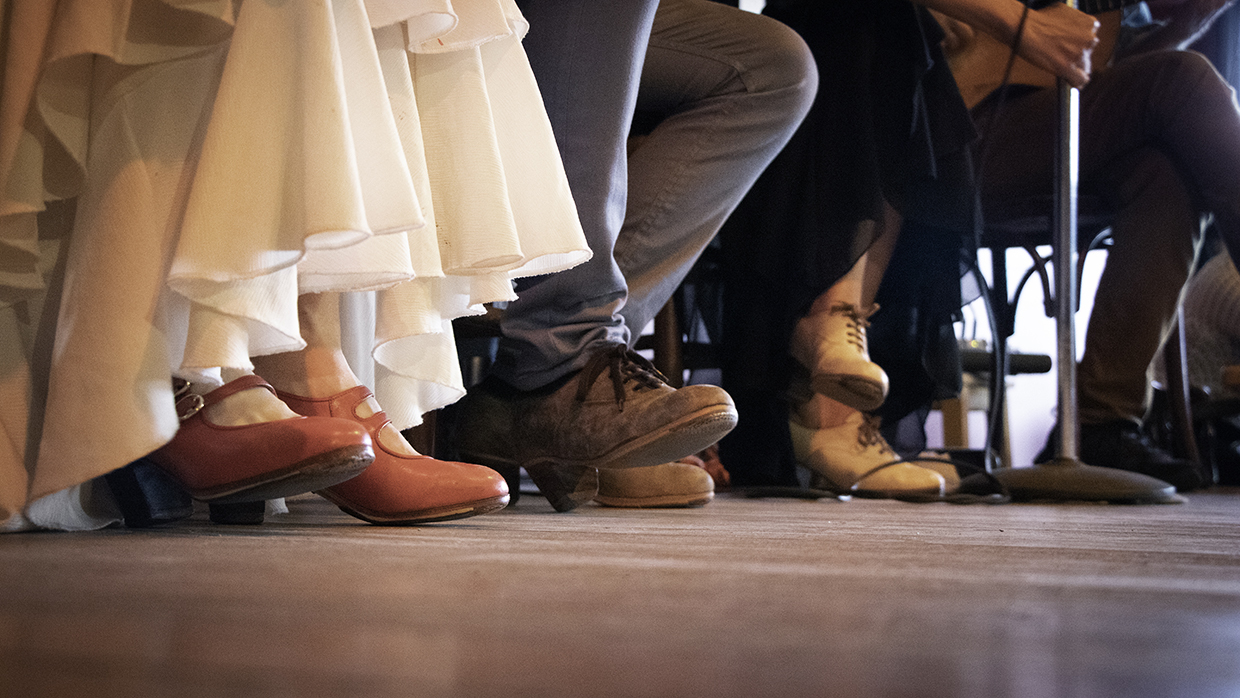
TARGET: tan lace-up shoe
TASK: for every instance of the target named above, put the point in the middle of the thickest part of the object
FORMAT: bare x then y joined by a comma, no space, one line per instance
855,459
658,486
833,346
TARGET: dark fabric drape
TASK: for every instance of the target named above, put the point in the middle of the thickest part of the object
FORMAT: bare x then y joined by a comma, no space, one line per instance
888,124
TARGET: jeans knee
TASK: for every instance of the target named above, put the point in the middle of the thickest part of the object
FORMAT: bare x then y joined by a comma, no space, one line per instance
783,62
1193,66
800,70
1185,70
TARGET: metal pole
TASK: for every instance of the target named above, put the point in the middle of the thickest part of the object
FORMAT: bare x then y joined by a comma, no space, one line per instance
1066,477
1068,168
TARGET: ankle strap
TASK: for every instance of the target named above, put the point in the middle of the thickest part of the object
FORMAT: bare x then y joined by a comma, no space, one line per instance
343,404
243,383
189,403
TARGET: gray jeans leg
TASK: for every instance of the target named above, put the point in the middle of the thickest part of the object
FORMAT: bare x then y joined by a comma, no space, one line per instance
587,57
727,89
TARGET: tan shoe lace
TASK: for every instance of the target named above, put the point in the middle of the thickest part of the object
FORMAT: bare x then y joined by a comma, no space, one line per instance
857,323
868,435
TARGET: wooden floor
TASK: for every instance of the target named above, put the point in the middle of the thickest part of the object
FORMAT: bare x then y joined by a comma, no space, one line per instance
740,598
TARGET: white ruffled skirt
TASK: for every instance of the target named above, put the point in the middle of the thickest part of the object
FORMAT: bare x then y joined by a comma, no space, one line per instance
227,157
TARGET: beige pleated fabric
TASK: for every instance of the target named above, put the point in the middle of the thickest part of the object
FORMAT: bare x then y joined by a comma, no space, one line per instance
230,157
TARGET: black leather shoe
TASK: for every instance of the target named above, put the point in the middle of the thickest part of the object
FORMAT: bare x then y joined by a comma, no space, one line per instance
1122,445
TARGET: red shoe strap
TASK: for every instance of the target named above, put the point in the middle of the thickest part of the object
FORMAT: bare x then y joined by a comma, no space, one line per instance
190,403
235,386
343,404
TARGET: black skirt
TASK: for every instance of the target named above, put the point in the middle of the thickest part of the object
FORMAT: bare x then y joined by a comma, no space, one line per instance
887,125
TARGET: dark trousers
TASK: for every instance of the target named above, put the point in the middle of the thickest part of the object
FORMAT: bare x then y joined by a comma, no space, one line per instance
1160,143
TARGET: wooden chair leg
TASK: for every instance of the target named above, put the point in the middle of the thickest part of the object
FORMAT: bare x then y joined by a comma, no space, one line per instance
668,352
955,422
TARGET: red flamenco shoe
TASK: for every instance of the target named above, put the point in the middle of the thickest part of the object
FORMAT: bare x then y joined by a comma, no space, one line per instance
400,488
226,464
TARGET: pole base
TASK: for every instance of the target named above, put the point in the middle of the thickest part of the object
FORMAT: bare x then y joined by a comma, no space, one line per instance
1068,479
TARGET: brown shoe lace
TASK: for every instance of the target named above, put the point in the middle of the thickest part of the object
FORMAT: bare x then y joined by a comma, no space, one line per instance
869,435
623,366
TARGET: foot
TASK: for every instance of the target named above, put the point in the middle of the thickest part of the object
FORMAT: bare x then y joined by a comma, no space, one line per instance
854,458
666,485
617,412
250,406
402,486
833,346
226,463
1122,445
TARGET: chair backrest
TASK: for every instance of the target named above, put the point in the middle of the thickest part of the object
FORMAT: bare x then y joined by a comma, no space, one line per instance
1027,222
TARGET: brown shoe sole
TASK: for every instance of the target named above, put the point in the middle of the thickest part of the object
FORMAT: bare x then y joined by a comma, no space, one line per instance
854,391
449,512
686,436
666,501
323,470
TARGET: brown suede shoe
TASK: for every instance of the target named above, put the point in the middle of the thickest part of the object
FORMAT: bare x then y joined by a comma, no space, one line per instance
628,418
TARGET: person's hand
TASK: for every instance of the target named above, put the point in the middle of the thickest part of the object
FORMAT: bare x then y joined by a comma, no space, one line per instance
1059,39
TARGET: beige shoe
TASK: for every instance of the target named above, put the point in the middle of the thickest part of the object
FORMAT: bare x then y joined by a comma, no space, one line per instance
855,459
833,347
657,486
940,463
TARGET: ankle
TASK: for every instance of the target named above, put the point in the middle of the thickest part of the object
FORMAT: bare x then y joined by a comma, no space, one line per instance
310,372
252,406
